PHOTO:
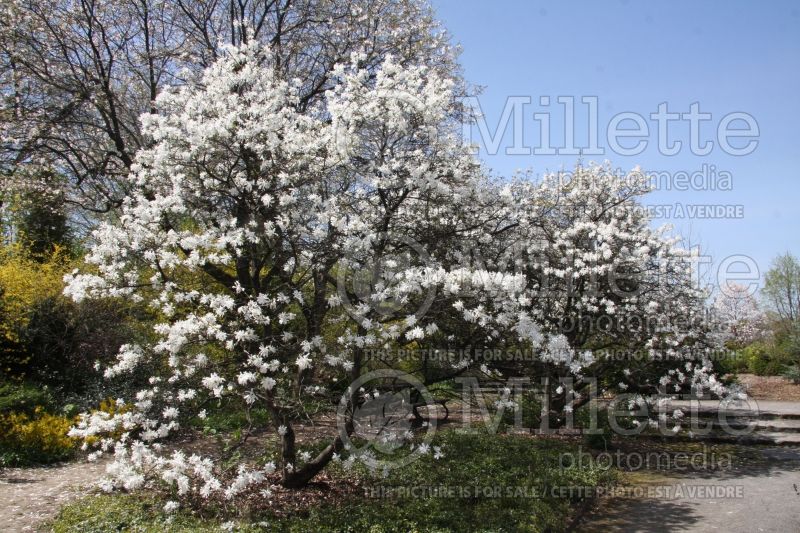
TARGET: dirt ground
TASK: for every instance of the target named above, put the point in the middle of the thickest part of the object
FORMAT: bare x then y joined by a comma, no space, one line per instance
773,388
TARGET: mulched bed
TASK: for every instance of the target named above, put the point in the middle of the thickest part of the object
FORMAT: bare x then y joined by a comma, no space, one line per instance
770,388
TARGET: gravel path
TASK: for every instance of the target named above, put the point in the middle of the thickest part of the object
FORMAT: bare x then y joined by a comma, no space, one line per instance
30,495
762,497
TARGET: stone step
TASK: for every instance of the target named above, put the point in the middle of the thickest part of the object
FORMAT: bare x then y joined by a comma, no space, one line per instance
767,422
743,415
778,425
758,438
764,409
785,425
781,437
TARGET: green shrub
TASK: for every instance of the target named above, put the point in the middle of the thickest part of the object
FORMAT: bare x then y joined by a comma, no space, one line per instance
761,361
531,406
599,439
24,398
736,364
792,373
28,432
64,339
48,339
24,281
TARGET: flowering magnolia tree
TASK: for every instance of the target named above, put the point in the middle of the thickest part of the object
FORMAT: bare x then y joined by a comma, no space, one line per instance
597,296
279,239
617,294
738,312
241,210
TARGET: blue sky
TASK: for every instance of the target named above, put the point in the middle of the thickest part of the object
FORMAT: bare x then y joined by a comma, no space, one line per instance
731,57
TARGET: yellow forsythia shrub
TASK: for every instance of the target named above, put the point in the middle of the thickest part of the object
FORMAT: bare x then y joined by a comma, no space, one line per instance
24,281
41,438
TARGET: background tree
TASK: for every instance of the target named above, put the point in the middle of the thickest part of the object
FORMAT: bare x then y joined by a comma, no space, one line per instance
782,287
738,312
767,342
40,217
